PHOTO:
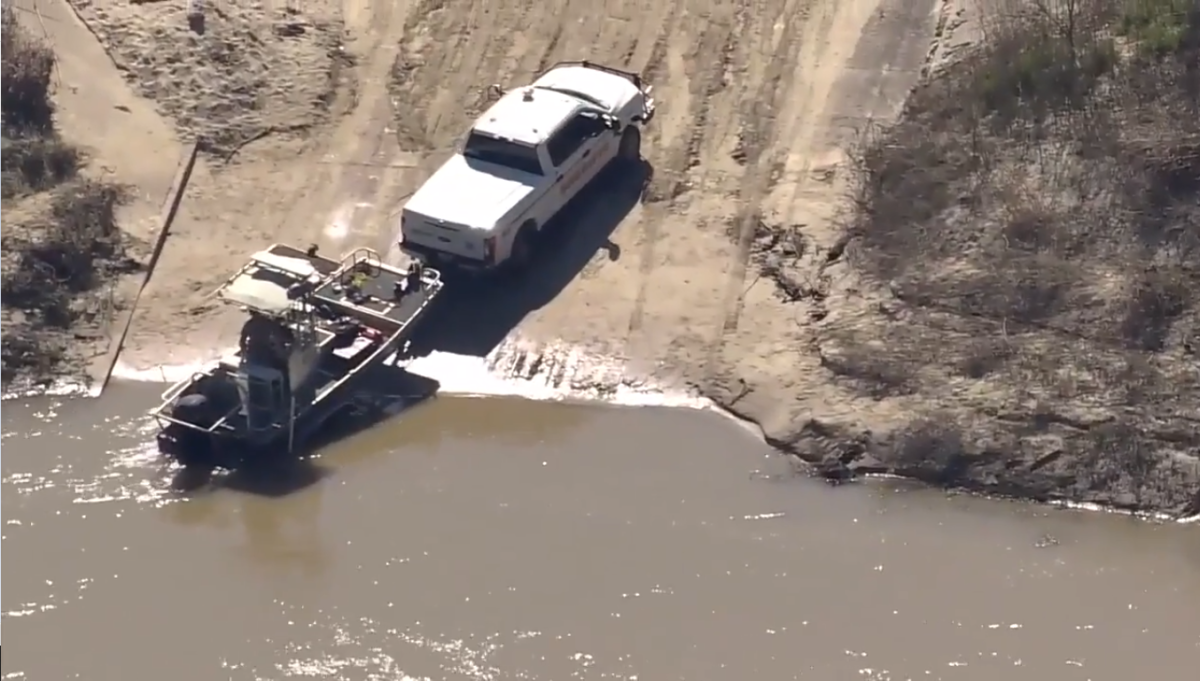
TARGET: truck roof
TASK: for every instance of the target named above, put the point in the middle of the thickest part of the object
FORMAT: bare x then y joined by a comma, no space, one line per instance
528,115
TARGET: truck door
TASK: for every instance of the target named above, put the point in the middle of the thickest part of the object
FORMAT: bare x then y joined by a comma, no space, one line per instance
579,151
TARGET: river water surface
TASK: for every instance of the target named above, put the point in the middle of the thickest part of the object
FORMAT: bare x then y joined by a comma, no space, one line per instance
496,539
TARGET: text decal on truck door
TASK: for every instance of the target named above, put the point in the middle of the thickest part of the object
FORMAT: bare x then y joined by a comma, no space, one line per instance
572,177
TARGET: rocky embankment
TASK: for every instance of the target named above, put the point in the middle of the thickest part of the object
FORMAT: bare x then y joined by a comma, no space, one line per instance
1013,303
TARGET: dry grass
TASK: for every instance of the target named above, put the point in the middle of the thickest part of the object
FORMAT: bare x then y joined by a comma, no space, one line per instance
35,163
60,234
247,71
1034,219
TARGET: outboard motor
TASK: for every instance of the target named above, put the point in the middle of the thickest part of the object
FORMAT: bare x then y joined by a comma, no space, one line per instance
187,446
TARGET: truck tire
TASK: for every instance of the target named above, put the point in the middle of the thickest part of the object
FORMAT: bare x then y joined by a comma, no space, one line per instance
521,255
630,149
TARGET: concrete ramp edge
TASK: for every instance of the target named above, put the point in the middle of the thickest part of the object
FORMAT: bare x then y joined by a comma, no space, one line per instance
170,208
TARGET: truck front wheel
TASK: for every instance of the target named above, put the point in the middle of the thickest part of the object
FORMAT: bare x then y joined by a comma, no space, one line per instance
630,149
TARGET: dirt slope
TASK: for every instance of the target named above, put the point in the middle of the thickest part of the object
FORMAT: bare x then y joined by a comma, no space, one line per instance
725,269
743,122
755,100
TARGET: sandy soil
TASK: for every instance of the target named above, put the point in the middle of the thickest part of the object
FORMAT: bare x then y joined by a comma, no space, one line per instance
754,99
320,121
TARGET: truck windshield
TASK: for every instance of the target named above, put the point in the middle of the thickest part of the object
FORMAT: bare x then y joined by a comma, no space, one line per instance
502,153
577,94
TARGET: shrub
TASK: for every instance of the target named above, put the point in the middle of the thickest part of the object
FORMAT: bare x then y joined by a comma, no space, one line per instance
28,65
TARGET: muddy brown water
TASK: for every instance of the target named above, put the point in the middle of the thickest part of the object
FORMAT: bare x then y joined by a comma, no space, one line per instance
495,539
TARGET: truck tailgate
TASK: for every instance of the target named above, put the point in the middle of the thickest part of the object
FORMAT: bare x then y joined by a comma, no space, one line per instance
456,240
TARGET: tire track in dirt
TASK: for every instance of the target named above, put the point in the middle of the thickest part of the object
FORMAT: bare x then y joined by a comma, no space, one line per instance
809,154
759,142
649,58
894,53
549,51
352,205
578,31
406,79
438,41
655,61
355,157
440,80
465,97
461,51
637,39
711,90
538,45
721,174
719,35
619,35
345,144
317,189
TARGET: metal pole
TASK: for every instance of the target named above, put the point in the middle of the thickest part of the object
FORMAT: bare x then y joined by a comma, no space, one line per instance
292,424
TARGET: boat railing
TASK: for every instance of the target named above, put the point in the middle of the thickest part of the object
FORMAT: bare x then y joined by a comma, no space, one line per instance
354,261
174,391
369,262
431,276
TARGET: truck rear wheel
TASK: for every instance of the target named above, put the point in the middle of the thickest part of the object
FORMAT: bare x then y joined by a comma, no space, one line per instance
522,249
630,149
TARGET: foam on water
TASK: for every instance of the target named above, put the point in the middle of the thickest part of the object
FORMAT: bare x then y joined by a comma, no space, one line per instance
60,388
528,371
160,373
550,373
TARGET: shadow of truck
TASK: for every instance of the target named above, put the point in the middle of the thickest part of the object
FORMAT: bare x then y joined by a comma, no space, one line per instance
473,316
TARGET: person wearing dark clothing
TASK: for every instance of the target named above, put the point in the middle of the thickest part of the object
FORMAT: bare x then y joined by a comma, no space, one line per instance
265,341
413,277
411,282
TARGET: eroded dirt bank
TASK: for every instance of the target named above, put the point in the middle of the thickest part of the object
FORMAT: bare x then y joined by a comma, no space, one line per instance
1011,303
741,264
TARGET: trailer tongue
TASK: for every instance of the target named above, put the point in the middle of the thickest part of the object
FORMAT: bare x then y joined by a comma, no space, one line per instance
315,328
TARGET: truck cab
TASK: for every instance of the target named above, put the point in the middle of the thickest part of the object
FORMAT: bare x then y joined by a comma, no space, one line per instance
533,151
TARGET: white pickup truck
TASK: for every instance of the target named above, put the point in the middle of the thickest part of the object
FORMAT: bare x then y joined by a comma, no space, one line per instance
524,159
